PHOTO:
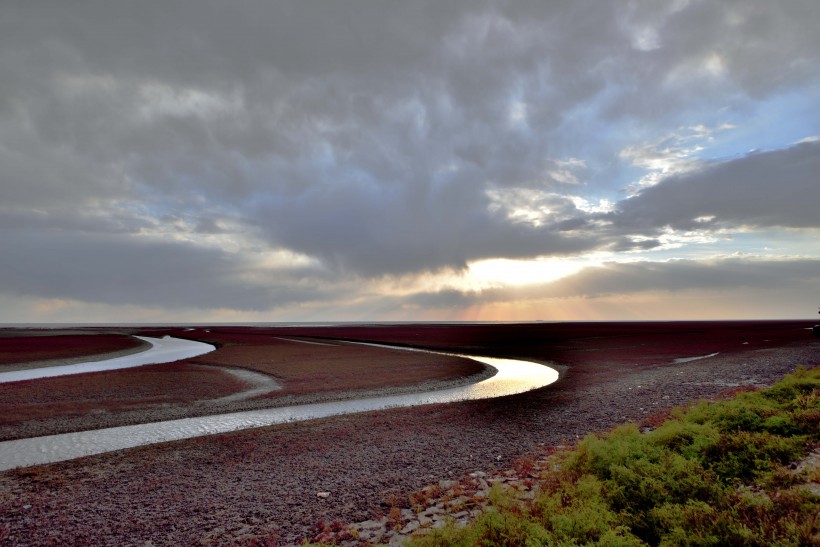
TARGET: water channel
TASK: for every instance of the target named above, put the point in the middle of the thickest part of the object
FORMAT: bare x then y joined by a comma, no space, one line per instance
513,376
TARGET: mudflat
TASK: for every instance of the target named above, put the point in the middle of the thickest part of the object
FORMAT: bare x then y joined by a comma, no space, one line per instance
86,399
24,349
262,484
302,370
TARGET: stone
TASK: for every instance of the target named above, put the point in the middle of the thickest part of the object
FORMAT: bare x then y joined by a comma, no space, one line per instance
431,511
411,527
370,525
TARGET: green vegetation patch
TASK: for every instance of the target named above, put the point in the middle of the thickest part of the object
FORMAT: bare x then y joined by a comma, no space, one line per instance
713,474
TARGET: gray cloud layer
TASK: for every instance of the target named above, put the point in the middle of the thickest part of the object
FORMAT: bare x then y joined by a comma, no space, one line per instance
104,269
763,189
376,138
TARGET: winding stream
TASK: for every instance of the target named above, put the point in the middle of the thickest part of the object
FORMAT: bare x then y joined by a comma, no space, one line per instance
513,376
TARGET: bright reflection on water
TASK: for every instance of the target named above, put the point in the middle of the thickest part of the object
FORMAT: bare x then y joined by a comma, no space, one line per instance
162,350
513,377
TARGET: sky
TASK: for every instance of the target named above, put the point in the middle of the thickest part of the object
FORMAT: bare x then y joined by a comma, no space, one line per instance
433,160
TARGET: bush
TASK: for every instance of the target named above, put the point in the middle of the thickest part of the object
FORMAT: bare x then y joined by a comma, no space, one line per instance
712,474
492,528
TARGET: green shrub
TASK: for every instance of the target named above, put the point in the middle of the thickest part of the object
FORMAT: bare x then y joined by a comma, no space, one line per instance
790,389
691,523
622,446
491,528
685,437
744,455
713,474
576,512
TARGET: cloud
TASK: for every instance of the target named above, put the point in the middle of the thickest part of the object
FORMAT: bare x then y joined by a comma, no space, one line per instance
670,277
688,275
761,190
379,140
124,270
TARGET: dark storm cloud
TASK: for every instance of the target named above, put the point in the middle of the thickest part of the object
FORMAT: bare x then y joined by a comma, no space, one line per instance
764,189
409,228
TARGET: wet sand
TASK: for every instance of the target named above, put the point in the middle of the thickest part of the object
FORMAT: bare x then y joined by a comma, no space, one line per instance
263,483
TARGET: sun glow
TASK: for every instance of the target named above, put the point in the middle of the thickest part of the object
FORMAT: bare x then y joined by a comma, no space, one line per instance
522,272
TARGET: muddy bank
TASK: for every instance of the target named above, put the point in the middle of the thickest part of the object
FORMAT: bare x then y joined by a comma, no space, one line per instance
264,483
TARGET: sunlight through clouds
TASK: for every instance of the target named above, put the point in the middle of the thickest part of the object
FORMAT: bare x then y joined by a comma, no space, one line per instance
351,160
522,272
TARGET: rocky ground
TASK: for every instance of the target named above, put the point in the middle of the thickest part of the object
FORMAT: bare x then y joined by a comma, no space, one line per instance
461,501
283,484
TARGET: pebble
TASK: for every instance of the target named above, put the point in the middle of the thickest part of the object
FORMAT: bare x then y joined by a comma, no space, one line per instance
459,501
410,527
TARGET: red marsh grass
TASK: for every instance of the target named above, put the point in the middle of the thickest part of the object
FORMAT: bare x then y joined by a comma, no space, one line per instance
26,349
603,349
301,369
112,391
568,343
304,368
